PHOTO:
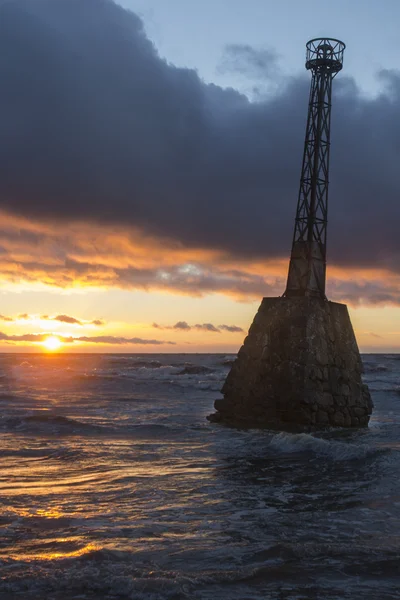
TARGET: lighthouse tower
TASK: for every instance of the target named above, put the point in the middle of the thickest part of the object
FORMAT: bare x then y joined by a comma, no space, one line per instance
300,366
307,268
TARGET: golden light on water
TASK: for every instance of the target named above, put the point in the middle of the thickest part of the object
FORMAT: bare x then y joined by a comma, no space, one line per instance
52,343
60,553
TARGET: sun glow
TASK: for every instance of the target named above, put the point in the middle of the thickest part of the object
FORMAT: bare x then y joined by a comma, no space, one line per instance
52,343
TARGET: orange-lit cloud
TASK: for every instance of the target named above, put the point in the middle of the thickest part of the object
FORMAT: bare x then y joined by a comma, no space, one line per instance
85,256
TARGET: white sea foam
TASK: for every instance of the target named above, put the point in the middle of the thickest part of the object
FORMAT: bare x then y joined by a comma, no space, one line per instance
304,442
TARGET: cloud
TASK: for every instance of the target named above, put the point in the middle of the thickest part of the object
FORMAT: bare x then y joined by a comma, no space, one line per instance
92,154
67,319
180,326
183,326
207,327
93,256
375,335
75,321
98,322
259,65
32,337
384,290
101,339
79,153
61,318
231,328
110,339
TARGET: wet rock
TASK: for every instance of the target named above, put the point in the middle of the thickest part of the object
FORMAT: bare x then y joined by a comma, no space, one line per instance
326,400
345,390
347,421
223,405
298,365
359,412
322,417
338,419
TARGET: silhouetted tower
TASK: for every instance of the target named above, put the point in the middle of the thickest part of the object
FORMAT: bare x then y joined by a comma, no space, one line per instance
307,266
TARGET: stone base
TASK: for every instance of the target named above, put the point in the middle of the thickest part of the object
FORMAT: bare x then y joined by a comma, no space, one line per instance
298,366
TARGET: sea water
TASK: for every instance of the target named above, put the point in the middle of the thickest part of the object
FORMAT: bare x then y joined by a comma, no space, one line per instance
114,485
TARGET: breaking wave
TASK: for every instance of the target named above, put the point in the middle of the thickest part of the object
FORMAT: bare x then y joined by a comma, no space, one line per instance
333,449
196,370
374,368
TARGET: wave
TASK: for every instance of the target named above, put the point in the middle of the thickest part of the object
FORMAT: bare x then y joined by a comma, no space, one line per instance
4,397
97,377
199,377
304,442
56,424
289,566
196,370
154,430
390,356
94,572
25,363
227,363
59,425
59,453
374,368
147,364
129,362
390,389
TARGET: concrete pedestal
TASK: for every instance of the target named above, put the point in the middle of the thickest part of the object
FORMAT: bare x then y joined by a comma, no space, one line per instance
299,365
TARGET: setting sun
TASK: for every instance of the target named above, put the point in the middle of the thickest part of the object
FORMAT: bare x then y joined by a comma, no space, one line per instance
52,343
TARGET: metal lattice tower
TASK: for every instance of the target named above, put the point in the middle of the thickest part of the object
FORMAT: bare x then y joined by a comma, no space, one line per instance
307,268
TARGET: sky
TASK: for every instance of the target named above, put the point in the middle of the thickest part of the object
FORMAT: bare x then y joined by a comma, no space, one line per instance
150,155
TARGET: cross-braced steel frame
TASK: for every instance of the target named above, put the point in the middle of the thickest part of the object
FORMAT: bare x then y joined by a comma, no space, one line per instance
307,268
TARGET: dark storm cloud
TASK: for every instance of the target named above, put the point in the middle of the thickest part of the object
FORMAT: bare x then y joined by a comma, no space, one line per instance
94,125
250,62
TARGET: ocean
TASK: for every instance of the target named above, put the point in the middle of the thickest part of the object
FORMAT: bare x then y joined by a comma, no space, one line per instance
113,485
